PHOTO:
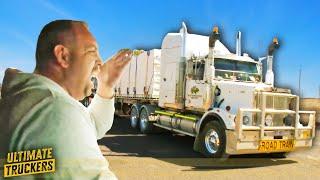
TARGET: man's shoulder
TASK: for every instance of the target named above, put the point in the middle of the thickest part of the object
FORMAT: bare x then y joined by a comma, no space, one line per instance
37,102
46,91
35,97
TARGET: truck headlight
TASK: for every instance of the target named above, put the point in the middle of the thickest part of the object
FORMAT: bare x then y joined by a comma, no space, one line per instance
268,120
288,120
246,120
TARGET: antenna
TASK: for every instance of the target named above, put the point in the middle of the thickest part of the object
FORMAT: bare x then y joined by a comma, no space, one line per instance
300,81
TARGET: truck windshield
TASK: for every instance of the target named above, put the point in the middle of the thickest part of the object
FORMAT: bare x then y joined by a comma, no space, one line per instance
236,70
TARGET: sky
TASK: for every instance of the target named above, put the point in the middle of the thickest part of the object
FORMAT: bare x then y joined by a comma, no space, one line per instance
143,24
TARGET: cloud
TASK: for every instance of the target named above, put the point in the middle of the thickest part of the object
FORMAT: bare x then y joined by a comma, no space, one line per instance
50,6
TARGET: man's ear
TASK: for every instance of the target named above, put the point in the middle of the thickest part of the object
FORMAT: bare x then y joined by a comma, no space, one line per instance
62,55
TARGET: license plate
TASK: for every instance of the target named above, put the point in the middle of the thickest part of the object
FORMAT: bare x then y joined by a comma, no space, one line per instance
276,145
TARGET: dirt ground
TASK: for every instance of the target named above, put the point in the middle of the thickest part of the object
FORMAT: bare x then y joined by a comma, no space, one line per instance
165,156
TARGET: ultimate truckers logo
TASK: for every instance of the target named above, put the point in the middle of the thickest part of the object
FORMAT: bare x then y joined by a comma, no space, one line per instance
29,162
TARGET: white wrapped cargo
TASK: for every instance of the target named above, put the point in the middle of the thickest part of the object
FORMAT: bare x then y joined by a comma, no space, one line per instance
141,77
117,88
141,73
124,82
152,85
132,75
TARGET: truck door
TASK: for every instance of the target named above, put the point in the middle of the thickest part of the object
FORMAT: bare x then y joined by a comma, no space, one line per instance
195,85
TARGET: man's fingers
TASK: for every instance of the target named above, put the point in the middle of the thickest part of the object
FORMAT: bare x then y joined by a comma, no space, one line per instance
124,62
123,54
122,59
119,60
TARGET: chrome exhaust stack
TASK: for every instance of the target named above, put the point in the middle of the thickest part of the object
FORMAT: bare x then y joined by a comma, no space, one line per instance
238,50
210,69
212,42
181,80
269,79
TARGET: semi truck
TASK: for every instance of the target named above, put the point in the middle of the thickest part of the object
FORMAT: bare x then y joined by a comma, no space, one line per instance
195,86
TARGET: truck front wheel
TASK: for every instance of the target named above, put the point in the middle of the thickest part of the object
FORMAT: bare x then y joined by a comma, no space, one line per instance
213,140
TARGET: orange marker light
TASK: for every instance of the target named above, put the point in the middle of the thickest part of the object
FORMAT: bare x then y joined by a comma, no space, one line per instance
216,29
275,40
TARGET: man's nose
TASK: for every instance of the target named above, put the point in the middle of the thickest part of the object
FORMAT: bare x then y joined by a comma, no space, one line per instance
99,61
97,65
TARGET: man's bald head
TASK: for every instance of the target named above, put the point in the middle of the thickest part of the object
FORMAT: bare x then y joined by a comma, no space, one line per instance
54,33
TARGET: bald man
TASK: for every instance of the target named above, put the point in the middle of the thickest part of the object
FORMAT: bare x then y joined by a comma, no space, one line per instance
42,109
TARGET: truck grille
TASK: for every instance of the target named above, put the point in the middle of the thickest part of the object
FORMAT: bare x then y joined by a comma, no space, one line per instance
273,103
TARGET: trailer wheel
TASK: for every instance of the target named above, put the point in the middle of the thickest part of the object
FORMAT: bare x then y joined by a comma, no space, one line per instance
145,125
134,117
213,140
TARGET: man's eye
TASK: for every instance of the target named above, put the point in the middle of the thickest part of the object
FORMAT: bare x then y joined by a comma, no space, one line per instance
92,54
90,51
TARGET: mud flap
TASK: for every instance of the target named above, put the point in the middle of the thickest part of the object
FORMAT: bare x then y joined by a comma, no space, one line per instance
196,144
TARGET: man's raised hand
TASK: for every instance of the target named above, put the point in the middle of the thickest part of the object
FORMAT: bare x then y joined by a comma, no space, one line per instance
111,71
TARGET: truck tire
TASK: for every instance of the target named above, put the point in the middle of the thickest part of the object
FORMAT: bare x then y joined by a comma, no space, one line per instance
117,107
213,140
145,125
134,116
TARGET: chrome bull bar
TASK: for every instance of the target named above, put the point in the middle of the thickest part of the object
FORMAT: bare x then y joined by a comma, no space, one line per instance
239,127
